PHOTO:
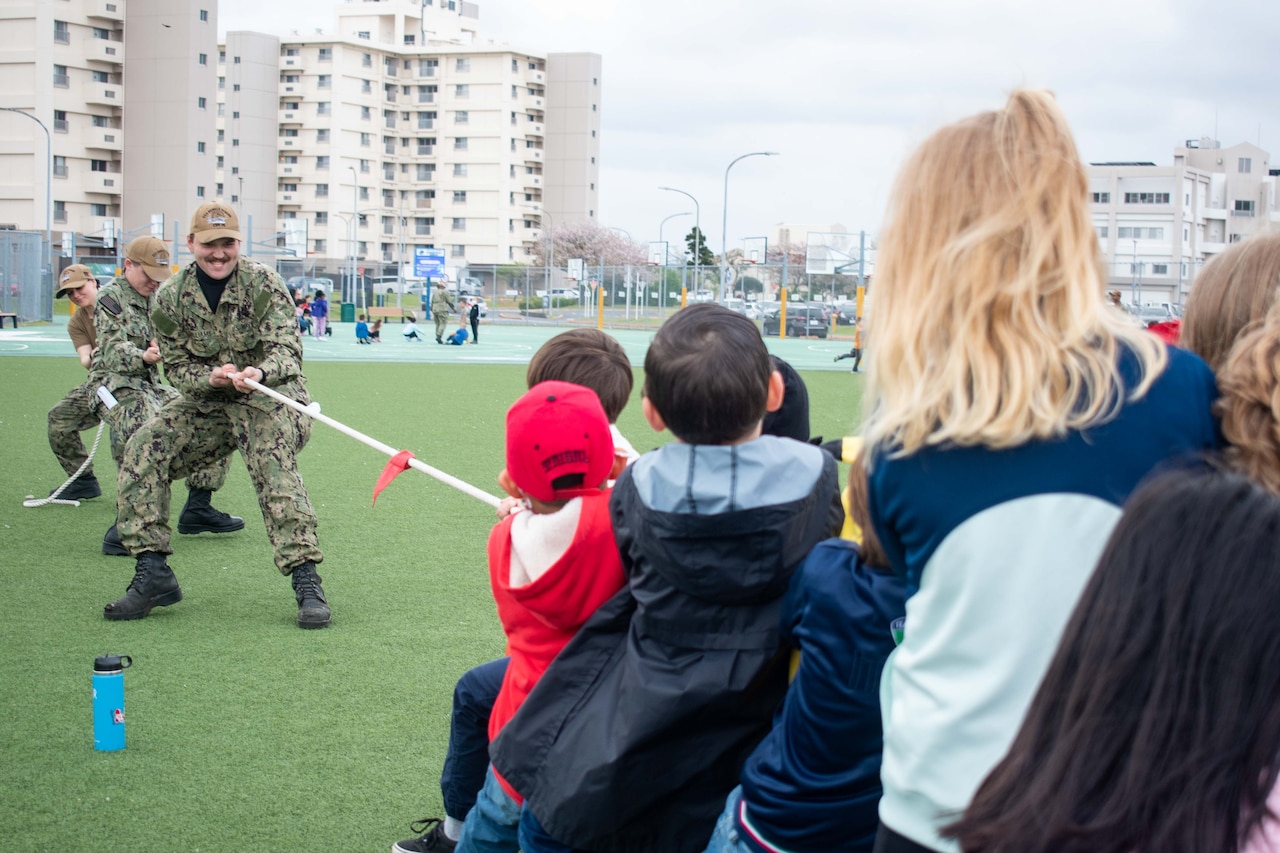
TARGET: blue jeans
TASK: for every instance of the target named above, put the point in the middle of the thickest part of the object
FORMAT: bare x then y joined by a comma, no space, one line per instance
492,826
728,836
467,759
535,839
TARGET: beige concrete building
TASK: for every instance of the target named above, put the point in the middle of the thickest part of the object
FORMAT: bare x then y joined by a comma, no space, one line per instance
1157,225
406,126
66,63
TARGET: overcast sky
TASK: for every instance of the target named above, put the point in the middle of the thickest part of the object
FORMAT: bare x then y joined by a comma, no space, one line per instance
844,89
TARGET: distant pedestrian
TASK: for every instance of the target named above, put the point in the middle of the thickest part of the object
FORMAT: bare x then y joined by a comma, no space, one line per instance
441,308
473,314
319,313
856,352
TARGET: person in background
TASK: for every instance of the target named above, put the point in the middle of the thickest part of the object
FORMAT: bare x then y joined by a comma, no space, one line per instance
220,321
458,338
1233,294
856,352
375,331
473,314
319,313
1010,414
1157,724
441,308
362,330
410,330
77,411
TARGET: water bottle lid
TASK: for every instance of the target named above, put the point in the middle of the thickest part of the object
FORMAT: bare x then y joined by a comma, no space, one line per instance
111,663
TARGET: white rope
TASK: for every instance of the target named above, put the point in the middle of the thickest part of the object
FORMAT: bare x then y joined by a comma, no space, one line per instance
313,411
33,501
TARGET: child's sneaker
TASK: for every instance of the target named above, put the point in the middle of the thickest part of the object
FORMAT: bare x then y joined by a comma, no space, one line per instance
433,838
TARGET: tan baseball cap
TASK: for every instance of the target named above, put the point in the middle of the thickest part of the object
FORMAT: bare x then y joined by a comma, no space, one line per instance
152,255
215,221
73,277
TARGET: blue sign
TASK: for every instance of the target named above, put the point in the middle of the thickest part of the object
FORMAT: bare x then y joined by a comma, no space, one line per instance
428,263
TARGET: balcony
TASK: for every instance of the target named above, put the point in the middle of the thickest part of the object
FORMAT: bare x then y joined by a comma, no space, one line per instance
532,182
111,10
423,203
102,50
1248,213
534,78
109,138
292,62
104,94
533,155
104,182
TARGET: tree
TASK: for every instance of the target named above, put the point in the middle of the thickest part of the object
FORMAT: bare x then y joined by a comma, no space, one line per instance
697,252
593,243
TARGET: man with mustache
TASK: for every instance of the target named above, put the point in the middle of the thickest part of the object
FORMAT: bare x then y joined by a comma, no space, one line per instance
218,322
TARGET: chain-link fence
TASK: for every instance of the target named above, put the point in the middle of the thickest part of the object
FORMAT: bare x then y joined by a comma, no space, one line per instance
27,291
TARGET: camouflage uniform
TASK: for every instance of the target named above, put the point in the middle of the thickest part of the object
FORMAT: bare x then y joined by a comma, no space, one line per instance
77,411
124,331
441,307
255,324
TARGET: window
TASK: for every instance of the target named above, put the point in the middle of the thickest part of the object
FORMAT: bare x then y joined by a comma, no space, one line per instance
289,188
515,64
199,192
366,113
426,94
422,225
322,162
59,211
222,110
364,193
1234,238
515,92
1243,207
235,60
326,54
289,131
426,172
60,78
366,139
462,64
62,32
460,171
221,135
458,251
427,67
235,143
222,84
459,197
222,56
1103,231
1129,198
324,108
292,78
461,117
100,76
322,216
322,135
593,109
320,247
410,39
324,81
366,60
363,34
217,189
202,58
235,87
459,224
1159,269
462,90
204,15
1246,165
100,121
292,51
366,87
322,190
460,143
289,158
220,161
426,121
97,209
199,147
1102,198
100,33
200,103
59,166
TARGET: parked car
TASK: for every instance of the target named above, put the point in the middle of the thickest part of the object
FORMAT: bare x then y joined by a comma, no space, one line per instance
846,314
702,296
310,285
1149,314
558,293
804,319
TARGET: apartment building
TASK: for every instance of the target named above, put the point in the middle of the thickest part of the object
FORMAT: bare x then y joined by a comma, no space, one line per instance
1157,225
65,62
406,128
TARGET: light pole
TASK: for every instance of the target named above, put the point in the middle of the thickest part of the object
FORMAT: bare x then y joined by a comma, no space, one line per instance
660,240
355,222
724,221
48,187
697,229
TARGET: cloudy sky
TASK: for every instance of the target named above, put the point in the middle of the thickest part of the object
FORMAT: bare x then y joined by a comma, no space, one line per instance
844,89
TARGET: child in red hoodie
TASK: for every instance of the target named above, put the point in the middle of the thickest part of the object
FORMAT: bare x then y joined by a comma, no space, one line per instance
550,566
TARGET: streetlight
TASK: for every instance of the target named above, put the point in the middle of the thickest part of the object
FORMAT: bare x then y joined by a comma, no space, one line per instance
660,240
48,187
355,222
697,229
724,222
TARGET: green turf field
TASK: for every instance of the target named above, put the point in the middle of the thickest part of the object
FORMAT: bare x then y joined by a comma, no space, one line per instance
244,732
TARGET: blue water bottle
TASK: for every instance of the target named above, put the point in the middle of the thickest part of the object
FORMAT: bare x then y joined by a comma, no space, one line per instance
108,701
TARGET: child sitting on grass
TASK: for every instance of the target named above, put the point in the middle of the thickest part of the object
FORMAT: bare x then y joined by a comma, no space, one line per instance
550,566
637,732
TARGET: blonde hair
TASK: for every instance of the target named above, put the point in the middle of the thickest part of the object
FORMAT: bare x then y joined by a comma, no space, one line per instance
988,325
1231,295
1249,405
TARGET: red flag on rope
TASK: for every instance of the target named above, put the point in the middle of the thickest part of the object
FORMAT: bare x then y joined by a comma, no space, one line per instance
394,469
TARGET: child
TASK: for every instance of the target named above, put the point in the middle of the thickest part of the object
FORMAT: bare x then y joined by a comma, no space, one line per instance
375,331
637,732
319,313
304,320
473,314
856,352
814,782
1010,415
458,338
1157,725
362,330
550,566
586,357
411,328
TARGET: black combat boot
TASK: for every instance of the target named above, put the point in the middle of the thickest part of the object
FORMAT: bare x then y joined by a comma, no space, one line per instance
313,610
80,489
153,585
111,544
200,516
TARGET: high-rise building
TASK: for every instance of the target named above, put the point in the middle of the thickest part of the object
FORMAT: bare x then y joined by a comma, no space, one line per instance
406,128
1157,225
66,65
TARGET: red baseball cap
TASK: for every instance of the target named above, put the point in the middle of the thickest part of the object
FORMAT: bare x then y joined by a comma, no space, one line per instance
556,429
